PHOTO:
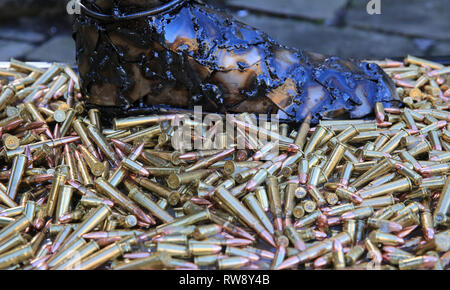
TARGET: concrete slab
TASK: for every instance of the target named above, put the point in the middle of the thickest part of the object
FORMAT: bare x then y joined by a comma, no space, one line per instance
314,10
345,42
427,19
21,35
59,49
9,49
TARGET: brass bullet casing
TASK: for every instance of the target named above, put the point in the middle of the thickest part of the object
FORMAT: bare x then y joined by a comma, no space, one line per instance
206,231
81,130
333,161
274,196
308,219
232,263
387,239
173,249
18,225
12,242
339,209
315,139
175,180
208,260
66,251
316,250
99,258
316,195
5,199
131,122
64,201
15,256
123,200
255,207
154,261
378,202
289,201
83,171
280,255
134,167
423,147
67,124
146,202
81,253
300,192
374,171
417,263
243,213
294,237
359,213
443,205
58,182
300,139
338,257
196,248
315,175
401,185
261,195
394,142
172,197
97,168
298,211
354,255
93,219
100,140
17,172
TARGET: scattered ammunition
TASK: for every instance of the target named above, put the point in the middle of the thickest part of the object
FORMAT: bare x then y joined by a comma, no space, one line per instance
379,182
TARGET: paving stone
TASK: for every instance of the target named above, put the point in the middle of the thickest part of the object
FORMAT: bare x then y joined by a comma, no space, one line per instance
9,49
316,10
442,48
427,19
59,49
345,42
13,9
21,35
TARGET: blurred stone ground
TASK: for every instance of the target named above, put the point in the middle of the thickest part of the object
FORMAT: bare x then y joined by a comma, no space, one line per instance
41,30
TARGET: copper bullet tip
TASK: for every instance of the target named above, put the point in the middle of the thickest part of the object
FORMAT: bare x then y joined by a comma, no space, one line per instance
266,236
289,263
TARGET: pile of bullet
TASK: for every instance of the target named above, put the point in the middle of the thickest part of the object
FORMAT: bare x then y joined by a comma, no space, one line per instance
346,194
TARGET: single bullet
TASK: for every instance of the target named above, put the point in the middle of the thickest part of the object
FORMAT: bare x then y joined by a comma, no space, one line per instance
252,203
232,263
17,172
58,182
345,194
261,195
64,201
121,199
400,185
359,213
308,220
99,258
145,201
175,180
206,231
417,263
101,142
300,140
227,198
314,251
274,196
134,167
